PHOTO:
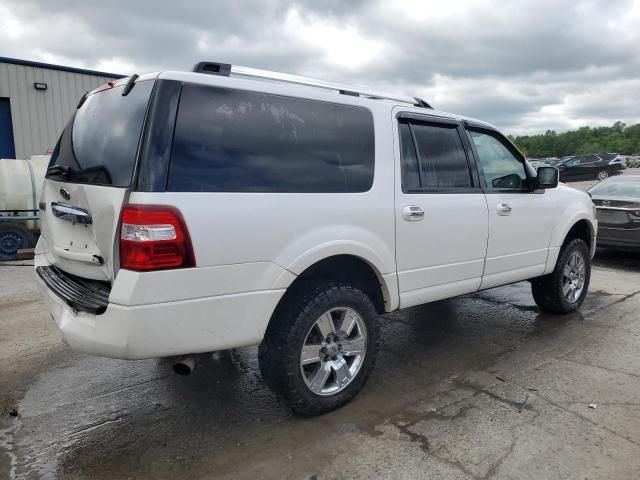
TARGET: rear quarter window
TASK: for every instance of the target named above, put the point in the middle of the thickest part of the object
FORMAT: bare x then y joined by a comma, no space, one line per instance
229,140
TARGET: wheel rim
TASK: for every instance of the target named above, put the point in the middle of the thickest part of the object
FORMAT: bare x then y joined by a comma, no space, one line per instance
9,245
333,351
573,277
603,175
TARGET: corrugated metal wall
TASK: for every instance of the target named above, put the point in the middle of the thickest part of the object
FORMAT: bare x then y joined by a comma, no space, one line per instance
40,115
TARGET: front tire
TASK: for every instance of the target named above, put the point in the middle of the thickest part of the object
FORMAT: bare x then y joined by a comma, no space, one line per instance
321,346
603,175
563,290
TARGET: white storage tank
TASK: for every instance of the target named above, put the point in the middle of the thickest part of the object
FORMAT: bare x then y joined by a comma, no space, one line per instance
20,187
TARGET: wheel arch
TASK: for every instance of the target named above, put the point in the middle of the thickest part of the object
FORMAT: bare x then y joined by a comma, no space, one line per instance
582,229
579,227
355,270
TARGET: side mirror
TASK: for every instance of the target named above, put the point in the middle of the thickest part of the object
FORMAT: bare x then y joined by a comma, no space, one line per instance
547,177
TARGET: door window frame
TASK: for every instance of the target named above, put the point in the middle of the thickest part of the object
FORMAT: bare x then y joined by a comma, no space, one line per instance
486,188
413,118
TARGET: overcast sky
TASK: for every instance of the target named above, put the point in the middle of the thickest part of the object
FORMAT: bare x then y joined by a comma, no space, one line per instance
526,66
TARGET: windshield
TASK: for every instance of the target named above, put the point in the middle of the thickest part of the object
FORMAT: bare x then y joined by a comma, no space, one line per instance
99,144
617,189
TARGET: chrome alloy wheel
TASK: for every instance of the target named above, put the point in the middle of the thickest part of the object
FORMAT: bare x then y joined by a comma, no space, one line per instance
573,277
333,351
603,175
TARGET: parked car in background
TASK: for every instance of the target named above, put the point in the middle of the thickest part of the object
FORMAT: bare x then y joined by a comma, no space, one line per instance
537,162
587,167
615,159
543,162
617,201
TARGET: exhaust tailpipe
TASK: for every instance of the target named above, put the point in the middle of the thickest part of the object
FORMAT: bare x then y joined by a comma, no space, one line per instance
185,365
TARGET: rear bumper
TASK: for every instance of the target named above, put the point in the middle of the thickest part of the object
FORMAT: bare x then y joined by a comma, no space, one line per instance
164,329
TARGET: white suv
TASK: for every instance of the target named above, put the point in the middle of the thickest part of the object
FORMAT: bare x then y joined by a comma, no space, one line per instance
188,212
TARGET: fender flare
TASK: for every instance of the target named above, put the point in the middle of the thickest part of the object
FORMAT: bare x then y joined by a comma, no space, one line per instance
558,239
384,271
575,218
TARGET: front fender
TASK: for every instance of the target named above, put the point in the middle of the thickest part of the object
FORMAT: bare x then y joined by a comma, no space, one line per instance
577,206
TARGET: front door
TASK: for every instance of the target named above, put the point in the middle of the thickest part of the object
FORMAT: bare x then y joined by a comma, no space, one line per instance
441,212
519,218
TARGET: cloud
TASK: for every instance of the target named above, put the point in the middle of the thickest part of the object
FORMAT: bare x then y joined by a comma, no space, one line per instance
525,66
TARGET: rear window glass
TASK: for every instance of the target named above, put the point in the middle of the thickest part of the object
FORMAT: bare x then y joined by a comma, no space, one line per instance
229,140
612,188
99,145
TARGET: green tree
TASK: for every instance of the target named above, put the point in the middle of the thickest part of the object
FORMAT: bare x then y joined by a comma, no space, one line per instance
618,138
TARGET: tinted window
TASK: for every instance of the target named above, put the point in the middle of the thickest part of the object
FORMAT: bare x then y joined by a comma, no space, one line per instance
99,145
236,141
409,167
442,159
502,169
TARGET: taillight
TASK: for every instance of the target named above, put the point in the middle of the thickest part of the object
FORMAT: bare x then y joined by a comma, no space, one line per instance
154,237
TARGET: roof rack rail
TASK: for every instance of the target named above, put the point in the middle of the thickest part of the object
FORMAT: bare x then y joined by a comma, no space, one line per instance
228,70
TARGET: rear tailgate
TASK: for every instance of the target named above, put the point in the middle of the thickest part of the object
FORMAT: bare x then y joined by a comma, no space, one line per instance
89,177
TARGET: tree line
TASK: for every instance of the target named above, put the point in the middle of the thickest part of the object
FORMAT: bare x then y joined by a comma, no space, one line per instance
619,138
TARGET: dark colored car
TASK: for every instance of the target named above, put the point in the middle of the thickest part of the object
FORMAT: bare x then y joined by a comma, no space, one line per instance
587,167
618,203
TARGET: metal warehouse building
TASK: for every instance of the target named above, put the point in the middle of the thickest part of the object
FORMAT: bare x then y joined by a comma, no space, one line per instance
36,101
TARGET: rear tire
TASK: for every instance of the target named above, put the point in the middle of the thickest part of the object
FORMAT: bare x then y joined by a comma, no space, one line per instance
303,356
14,236
563,290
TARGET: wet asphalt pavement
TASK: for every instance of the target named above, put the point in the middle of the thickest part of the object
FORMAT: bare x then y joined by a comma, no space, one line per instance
481,386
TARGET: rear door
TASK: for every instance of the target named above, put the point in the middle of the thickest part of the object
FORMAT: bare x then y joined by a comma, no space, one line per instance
89,176
441,212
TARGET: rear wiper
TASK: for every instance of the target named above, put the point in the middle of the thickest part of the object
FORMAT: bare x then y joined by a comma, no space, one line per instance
58,171
82,99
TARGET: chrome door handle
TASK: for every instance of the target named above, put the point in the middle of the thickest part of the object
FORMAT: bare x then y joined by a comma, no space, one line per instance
71,213
413,213
504,209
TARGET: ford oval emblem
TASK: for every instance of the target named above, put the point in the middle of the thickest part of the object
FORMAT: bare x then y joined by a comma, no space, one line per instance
64,193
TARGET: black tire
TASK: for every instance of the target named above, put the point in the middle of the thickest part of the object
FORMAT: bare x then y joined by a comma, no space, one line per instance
603,175
279,352
14,236
548,290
